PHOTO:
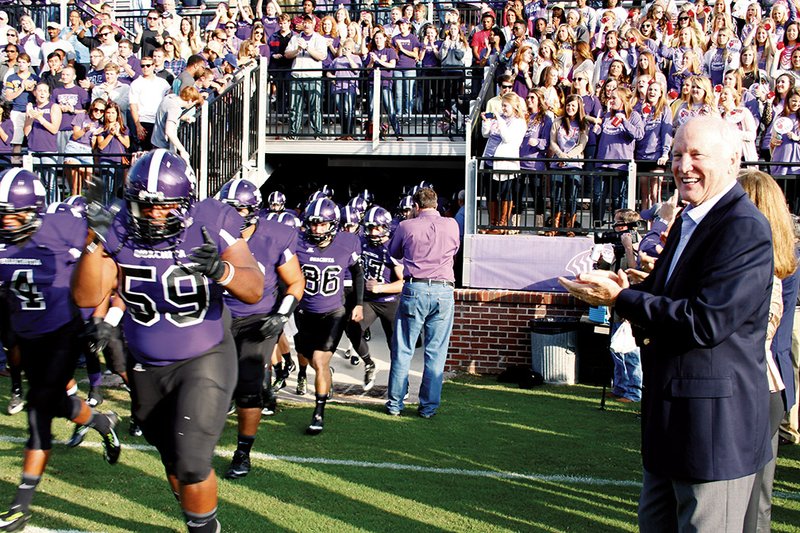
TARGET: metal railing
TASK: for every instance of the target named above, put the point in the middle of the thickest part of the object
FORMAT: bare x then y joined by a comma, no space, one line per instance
323,105
569,201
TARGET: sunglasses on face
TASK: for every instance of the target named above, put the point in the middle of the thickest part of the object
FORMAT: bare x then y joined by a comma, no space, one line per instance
152,18
11,52
230,27
146,65
506,86
99,109
104,34
683,19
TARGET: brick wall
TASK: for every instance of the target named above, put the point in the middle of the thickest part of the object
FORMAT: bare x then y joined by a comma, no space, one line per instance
491,329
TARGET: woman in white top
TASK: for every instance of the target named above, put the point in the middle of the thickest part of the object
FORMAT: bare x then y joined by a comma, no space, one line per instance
510,126
732,111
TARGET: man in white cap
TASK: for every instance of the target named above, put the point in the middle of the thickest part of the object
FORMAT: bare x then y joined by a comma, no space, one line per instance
55,42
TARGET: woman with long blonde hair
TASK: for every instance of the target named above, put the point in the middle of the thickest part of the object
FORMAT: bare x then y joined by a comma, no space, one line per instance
701,101
768,197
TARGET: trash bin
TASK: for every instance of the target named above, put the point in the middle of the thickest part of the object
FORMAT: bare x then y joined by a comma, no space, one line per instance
554,350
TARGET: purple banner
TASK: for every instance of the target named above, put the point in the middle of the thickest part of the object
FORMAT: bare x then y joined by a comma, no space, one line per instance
524,262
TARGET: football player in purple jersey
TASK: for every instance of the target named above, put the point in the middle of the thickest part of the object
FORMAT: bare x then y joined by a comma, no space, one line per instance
38,253
384,281
359,205
171,259
276,202
350,223
324,255
256,327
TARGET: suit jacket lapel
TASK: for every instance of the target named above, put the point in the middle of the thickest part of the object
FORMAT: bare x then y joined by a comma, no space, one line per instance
705,226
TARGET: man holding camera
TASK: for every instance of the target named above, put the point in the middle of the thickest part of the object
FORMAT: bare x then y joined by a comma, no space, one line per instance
621,252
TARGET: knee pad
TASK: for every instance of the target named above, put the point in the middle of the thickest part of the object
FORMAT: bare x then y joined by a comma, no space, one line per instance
246,401
190,476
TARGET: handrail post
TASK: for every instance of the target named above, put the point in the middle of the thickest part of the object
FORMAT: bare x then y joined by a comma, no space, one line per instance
376,107
471,197
63,14
632,184
246,92
263,102
202,176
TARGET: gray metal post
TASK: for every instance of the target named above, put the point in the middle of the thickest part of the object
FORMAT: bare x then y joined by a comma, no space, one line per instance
263,102
471,197
247,87
376,108
202,176
632,189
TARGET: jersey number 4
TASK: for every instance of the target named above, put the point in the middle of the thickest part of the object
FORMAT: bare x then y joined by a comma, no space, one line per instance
23,287
324,281
181,288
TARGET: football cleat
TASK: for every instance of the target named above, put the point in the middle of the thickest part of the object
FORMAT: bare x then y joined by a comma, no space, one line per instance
369,376
240,465
111,445
355,360
315,427
16,403
14,519
78,434
134,430
302,386
279,383
95,397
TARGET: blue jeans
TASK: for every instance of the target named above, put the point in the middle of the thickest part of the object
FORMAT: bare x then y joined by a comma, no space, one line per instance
429,309
387,104
404,91
619,192
346,103
627,373
308,91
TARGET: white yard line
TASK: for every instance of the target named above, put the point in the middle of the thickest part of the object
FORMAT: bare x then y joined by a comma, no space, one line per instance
557,478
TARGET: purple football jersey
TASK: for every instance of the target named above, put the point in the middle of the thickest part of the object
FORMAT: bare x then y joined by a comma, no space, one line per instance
379,265
38,275
324,271
272,244
172,313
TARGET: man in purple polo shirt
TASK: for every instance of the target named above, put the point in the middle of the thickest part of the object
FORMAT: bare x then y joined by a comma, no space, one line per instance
427,245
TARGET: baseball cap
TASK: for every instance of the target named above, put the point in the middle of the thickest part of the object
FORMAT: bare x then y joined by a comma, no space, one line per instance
54,25
231,60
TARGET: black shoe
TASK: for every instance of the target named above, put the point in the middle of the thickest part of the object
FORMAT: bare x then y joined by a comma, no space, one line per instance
14,519
302,386
279,383
16,403
426,416
134,430
355,360
270,406
367,335
78,434
111,445
240,465
369,376
315,427
288,368
95,397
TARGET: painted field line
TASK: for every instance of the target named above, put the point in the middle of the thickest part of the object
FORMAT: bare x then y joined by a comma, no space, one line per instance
557,478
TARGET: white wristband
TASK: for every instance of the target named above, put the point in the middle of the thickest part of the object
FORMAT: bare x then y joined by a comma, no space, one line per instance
113,316
229,277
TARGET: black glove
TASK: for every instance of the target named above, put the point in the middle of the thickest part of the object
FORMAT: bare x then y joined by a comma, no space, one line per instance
273,325
99,219
99,333
206,258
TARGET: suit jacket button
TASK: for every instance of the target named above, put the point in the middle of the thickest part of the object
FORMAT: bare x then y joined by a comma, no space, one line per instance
646,342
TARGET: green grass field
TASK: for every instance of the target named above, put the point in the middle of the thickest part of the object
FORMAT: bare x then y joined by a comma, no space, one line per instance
496,458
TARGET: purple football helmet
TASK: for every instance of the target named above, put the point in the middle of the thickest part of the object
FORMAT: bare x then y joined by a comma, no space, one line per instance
321,211
77,202
424,184
159,178
368,197
377,217
242,194
276,201
316,195
286,218
327,191
350,219
21,192
359,205
63,207
405,207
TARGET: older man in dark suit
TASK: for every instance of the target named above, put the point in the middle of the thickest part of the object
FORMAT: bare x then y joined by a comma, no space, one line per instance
701,320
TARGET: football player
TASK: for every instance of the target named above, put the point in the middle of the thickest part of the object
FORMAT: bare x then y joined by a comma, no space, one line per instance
171,259
37,257
256,327
384,281
276,201
324,255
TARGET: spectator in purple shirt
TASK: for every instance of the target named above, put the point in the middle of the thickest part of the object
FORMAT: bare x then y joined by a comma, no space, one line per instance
427,245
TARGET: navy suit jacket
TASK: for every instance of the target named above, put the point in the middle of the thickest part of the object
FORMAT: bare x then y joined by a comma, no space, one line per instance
705,401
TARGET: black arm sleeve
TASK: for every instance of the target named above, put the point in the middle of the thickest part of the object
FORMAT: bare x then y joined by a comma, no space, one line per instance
357,274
